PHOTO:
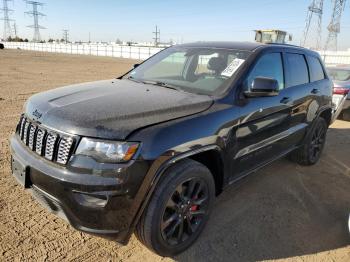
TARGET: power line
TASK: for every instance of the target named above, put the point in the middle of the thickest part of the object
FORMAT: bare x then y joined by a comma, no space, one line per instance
6,18
157,36
36,14
313,25
334,25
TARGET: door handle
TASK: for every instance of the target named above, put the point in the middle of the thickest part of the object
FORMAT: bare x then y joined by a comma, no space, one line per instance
315,91
285,100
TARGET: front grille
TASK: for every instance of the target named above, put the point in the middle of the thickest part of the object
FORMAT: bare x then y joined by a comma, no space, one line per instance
52,145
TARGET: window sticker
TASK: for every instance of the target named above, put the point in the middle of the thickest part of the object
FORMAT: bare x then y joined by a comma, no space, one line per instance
232,68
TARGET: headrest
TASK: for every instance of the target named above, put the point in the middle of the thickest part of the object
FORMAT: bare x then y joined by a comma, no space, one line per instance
217,64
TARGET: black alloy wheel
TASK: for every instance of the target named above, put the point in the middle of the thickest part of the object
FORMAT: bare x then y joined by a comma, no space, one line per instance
179,208
317,142
184,211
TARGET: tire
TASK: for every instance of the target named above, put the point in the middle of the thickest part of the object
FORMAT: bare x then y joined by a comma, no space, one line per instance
166,211
309,153
2,46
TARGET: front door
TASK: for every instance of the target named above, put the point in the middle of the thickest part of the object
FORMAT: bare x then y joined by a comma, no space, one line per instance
265,120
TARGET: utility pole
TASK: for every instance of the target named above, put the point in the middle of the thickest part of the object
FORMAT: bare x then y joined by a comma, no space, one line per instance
6,19
36,14
313,25
157,36
66,35
334,25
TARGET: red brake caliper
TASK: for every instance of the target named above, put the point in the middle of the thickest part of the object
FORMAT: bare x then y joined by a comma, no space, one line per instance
194,208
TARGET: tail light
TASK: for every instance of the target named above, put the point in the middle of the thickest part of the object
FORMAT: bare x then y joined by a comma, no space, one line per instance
340,90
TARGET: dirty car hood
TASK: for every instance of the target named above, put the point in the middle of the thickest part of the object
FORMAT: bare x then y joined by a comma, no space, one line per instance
112,108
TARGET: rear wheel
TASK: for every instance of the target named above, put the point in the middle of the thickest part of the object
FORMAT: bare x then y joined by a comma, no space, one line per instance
178,210
311,151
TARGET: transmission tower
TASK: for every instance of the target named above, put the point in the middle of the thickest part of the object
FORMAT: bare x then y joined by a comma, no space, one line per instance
313,25
334,25
36,14
157,36
15,29
65,35
6,19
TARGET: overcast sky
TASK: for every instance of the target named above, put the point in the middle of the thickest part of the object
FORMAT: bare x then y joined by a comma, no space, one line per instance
180,20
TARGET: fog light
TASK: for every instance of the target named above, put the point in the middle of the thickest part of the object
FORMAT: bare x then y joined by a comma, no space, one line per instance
90,200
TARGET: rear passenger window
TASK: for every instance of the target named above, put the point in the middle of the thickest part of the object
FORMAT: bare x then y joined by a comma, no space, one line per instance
298,71
269,65
316,70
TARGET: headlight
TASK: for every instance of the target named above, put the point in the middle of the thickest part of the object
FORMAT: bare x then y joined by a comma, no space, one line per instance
107,151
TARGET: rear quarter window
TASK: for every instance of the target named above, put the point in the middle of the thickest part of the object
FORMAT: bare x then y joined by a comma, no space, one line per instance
298,73
316,69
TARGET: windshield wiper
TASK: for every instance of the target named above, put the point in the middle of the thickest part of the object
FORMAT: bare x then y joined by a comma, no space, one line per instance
160,83
156,83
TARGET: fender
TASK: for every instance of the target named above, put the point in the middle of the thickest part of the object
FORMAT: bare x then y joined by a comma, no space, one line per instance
160,170
318,114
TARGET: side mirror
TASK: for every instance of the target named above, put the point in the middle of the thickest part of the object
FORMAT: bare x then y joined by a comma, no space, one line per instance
262,87
136,65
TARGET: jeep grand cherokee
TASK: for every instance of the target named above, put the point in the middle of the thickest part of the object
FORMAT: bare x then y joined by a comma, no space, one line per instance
149,151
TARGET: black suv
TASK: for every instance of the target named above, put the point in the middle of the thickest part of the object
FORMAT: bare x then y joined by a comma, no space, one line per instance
149,151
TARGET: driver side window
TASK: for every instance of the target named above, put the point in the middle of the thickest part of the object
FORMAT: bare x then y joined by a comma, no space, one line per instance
270,66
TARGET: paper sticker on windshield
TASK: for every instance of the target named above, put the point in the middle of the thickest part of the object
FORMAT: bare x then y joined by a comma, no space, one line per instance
232,68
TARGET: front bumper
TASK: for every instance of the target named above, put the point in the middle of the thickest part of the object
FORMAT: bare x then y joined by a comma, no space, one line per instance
93,203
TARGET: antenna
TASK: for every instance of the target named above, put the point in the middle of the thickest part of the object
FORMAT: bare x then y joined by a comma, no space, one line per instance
36,15
157,36
66,35
6,19
313,25
334,25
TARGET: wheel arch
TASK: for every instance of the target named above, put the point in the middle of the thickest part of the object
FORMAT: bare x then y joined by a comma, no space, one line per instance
326,114
200,155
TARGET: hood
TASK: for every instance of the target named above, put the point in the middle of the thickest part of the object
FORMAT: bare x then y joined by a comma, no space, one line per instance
111,109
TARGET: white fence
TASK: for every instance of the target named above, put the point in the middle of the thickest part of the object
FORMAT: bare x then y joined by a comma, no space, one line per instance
335,57
135,52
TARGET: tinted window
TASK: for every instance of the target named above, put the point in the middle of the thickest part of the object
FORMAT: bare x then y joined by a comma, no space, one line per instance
269,65
298,72
316,70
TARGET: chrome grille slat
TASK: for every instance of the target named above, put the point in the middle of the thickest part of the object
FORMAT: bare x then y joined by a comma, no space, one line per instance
32,130
45,142
39,141
50,145
64,149
21,127
25,132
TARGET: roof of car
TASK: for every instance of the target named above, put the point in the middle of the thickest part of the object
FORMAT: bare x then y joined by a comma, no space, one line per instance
249,46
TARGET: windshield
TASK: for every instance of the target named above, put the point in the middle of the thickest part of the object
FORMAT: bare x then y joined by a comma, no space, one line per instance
339,74
196,70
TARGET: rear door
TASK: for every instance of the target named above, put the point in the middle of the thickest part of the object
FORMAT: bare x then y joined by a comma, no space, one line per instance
299,95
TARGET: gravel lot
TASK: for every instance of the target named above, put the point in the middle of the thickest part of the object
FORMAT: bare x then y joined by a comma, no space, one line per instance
284,211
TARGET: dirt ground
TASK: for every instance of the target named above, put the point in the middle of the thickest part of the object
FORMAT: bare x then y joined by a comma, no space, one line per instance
283,212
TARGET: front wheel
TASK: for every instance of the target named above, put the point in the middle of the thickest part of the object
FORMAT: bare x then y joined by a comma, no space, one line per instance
178,210
311,151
